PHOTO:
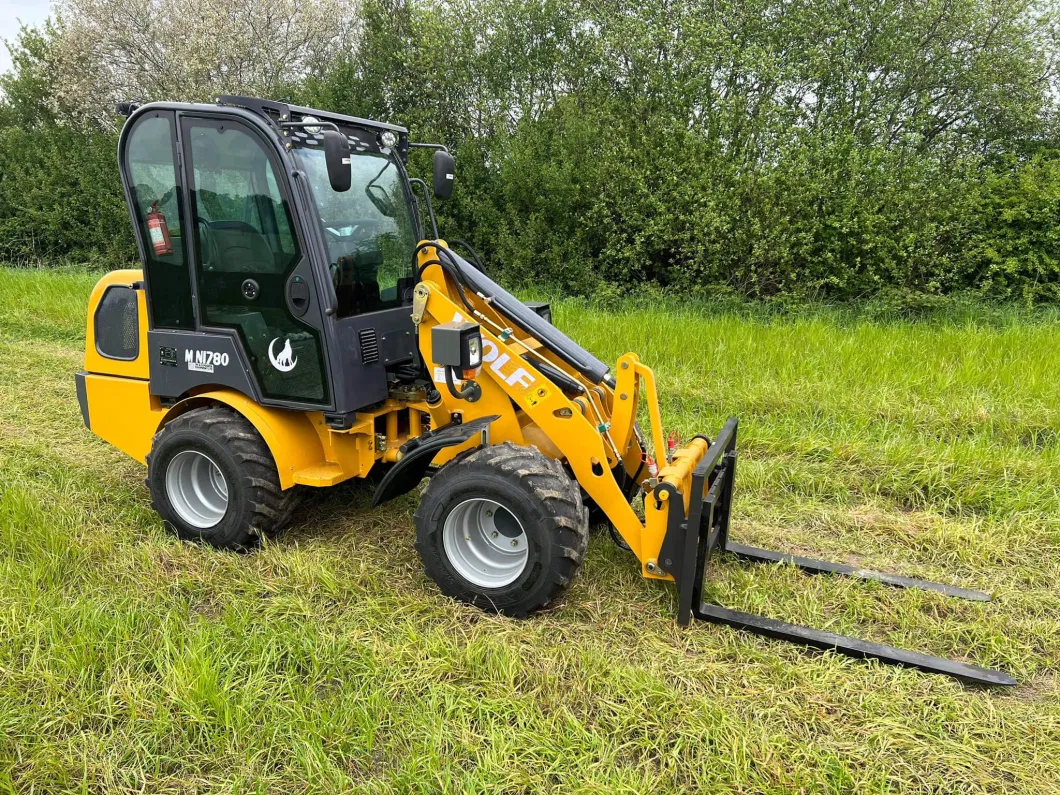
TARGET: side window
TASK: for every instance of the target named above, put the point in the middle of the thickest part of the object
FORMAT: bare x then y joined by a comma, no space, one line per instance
246,249
152,169
117,324
242,219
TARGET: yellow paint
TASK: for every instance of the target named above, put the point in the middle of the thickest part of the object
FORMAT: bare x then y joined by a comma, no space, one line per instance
123,412
627,391
94,361
592,432
654,416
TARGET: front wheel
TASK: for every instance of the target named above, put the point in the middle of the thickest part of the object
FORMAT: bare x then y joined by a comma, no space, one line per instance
502,528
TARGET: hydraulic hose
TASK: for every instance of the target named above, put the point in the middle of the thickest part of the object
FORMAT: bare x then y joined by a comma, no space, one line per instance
475,258
511,307
471,391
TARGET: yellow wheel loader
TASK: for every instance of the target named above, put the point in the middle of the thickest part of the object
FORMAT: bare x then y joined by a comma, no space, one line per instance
294,326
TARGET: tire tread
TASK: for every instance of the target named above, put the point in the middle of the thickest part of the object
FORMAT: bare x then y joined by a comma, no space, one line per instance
544,480
270,506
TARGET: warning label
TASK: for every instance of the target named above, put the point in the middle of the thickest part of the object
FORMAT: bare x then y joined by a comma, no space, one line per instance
535,396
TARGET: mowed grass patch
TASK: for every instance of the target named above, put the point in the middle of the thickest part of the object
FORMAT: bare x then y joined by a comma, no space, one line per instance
328,662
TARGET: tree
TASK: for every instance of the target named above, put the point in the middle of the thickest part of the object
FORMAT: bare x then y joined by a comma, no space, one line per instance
113,50
60,197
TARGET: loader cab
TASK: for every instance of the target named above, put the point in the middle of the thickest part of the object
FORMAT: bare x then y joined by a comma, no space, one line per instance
259,274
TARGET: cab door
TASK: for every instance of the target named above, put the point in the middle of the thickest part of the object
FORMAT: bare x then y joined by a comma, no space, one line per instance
251,269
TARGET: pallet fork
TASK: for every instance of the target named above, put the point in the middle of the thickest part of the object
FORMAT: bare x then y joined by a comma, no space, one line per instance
691,541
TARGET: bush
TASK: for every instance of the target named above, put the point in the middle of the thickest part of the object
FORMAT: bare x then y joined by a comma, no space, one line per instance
1015,243
60,196
798,151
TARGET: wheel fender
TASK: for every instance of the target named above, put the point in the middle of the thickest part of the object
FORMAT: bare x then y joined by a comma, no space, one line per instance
417,455
290,435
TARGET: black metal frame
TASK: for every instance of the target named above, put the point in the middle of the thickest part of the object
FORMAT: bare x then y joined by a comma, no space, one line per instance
350,387
690,541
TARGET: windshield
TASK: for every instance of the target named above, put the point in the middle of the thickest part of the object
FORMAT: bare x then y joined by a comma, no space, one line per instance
368,229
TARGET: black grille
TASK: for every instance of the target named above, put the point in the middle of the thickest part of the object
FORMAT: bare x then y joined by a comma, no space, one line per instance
118,324
369,346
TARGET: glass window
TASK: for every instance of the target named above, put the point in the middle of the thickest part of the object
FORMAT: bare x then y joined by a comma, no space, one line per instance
245,232
241,216
152,174
368,229
117,324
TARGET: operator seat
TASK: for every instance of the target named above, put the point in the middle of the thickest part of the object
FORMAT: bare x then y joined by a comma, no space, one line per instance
238,247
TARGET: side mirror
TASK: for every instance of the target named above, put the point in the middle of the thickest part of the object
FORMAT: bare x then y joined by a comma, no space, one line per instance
337,157
444,172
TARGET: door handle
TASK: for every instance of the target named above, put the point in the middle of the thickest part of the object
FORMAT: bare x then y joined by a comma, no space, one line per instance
298,295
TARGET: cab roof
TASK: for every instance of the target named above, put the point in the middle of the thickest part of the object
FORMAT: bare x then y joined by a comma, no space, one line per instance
283,111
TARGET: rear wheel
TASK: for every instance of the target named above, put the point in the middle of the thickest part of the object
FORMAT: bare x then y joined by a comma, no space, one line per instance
502,528
213,480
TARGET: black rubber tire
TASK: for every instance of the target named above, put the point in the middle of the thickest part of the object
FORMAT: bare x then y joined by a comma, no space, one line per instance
256,503
544,499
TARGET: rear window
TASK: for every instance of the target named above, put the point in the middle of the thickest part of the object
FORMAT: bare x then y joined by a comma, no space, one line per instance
118,324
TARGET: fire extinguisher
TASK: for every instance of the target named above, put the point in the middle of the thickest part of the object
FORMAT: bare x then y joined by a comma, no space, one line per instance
158,231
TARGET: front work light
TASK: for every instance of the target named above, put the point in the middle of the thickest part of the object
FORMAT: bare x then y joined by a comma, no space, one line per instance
474,349
457,344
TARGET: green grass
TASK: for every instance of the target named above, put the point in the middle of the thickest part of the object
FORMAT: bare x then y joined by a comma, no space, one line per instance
327,662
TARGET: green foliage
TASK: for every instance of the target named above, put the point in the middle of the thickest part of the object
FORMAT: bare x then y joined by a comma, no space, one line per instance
1016,239
824,149
796,149
60,197
327,662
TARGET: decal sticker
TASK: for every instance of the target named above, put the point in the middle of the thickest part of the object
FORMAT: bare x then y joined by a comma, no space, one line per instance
497,361
535,396
439,375
204,361
285,361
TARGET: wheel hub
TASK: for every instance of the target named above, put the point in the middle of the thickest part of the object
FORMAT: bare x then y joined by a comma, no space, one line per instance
197,489
485,543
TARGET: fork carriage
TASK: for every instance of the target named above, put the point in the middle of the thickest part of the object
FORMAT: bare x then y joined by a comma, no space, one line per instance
693,538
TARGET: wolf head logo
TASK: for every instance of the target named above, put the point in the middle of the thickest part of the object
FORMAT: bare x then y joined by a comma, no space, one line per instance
286,361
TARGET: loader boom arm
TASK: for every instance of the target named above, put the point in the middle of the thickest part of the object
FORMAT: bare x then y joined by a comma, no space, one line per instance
545,390
531,405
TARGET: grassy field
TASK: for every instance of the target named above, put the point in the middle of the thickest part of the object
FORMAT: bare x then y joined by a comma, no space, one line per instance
327,662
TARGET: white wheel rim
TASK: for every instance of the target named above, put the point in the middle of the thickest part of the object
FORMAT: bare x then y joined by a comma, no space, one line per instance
196,489
485,543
